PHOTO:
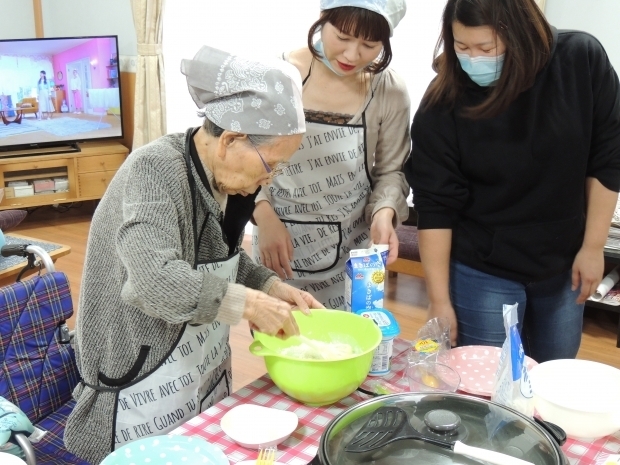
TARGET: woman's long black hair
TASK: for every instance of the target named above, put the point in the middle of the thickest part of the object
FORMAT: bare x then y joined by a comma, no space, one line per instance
524,31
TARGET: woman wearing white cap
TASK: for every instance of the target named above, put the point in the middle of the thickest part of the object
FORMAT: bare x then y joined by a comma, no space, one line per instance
164,274
344,187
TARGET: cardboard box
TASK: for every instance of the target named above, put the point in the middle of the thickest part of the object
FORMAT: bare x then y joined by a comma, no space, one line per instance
61,184
24,191
41,185
9,192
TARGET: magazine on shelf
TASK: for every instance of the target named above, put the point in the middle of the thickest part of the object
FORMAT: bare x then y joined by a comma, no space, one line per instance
615,220
613,296
613,237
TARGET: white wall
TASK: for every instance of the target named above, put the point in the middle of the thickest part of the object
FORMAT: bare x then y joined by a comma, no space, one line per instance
68,18
268,28
600,18
17,19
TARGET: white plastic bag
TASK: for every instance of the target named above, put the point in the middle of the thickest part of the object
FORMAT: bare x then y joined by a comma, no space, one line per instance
512,382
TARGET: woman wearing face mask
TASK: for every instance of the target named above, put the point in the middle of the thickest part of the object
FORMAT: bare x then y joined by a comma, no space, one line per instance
344,187
515,169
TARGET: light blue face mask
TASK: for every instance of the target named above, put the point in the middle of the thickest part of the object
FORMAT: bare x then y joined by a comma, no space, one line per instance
318,45
484,71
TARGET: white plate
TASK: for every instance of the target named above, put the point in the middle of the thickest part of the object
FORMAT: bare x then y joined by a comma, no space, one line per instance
477,365
166,449
253,426
10,459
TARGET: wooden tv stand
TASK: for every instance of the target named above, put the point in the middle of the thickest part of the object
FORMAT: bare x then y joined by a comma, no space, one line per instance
88,174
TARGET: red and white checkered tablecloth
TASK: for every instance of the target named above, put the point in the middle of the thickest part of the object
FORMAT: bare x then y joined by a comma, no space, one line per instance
301,447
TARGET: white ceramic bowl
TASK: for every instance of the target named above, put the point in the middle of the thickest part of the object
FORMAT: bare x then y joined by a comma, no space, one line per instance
253,426
580,396
9,459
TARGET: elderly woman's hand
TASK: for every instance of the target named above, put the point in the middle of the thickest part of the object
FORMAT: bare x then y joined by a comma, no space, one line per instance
301,299
269,315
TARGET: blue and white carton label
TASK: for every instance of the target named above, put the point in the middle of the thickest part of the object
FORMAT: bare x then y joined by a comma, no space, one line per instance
364,282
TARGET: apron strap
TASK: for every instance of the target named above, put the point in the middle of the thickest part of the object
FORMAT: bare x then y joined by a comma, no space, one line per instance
100,388
309,73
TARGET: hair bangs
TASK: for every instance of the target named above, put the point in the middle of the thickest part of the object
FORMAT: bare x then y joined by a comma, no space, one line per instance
359,22
356,22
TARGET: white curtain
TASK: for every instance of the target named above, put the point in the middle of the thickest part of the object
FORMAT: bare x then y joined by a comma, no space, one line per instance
150,95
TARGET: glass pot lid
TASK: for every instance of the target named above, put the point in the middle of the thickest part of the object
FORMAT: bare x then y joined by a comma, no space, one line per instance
444,417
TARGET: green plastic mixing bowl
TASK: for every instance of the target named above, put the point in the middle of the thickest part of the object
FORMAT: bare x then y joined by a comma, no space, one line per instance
321,382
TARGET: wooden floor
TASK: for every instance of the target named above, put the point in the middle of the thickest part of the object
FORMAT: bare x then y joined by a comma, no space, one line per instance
406,295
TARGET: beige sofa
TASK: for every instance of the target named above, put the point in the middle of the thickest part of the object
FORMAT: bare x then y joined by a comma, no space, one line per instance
29,105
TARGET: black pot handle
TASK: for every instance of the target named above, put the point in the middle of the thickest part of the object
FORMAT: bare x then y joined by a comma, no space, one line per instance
554,430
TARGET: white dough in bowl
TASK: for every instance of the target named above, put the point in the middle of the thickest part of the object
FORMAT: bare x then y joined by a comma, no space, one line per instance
319,351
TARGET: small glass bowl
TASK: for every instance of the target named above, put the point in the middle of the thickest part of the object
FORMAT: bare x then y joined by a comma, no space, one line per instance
432,377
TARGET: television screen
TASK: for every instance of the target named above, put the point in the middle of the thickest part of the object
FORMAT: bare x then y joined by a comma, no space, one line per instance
58,91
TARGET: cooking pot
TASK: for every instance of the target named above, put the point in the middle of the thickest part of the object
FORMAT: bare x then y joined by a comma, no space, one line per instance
480,423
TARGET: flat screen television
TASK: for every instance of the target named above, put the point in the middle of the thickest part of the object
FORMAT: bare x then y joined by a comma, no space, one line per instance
56,92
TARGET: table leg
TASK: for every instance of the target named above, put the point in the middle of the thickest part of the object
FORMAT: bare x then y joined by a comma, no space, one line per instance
17,120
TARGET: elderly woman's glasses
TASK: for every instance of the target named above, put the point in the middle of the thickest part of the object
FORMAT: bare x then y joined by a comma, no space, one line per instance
273,172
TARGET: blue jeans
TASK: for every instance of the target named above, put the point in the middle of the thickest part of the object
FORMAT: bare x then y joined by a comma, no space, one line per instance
550,320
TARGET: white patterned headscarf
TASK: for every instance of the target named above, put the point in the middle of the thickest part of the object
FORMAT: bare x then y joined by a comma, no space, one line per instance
392,10
246,96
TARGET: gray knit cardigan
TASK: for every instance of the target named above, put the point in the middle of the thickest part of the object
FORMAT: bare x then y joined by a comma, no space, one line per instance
139,286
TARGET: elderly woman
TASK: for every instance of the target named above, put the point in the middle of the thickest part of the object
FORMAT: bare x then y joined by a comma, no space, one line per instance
165,276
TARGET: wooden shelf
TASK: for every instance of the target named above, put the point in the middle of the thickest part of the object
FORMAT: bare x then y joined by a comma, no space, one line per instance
88,172
22,177
612,257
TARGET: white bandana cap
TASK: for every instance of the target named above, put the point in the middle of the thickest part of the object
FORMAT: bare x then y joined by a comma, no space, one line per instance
246,96
392,10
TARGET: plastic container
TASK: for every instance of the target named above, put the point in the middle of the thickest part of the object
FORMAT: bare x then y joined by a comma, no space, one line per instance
389,330
580,396
320,382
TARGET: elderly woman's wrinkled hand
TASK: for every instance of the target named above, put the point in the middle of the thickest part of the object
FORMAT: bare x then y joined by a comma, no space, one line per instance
269,315
301,299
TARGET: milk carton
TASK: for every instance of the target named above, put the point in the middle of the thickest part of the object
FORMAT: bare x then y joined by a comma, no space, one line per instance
364,280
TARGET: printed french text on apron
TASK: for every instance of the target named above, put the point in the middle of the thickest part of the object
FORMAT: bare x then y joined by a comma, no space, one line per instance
321,200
